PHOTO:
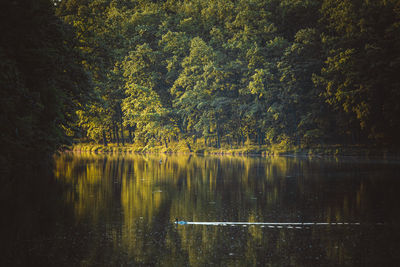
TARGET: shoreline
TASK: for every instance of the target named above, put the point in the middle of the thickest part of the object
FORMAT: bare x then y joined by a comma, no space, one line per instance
264,151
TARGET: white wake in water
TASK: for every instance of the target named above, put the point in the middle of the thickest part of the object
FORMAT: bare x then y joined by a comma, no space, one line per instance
269,224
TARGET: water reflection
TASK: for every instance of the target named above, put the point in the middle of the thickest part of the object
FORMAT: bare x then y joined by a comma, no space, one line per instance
119,209
124,207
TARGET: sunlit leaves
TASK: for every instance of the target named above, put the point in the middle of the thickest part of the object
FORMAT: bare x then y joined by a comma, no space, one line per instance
267,69
357,74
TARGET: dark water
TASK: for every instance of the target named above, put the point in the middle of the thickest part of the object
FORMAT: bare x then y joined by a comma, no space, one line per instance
119,210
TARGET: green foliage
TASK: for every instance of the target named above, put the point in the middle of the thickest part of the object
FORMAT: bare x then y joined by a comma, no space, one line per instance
360,74
42,81
278,73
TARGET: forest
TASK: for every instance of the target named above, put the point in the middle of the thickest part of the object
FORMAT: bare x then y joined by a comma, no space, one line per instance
198,72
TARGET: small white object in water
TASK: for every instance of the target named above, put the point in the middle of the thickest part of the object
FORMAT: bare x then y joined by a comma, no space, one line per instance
297,225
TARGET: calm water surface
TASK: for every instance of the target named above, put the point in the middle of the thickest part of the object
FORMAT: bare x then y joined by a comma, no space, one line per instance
119,210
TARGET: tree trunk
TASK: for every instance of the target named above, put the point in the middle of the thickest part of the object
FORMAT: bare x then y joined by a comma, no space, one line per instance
188,145
119,111
104,138
183,136
113,139
218,140
122,133
130,134
116,134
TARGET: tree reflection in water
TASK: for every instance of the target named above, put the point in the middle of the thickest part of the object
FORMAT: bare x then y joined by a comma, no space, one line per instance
119,209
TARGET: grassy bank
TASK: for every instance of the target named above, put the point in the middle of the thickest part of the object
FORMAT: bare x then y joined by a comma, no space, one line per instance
181,147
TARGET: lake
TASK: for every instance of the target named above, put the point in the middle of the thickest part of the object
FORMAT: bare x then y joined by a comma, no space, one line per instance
120,210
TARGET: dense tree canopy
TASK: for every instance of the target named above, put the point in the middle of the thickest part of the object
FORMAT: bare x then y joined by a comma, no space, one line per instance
267,71
42,81
261,71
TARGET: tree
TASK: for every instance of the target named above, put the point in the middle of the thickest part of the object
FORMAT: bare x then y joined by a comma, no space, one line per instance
359,76
42,81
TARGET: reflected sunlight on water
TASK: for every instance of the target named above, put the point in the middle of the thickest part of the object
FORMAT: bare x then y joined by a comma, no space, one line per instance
120,209
134,199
